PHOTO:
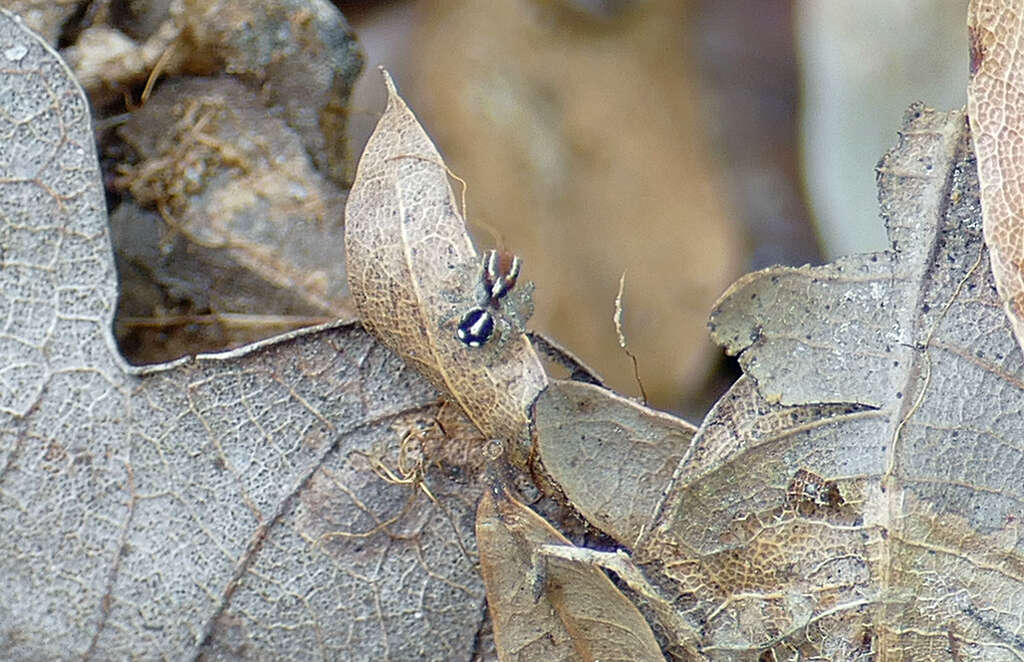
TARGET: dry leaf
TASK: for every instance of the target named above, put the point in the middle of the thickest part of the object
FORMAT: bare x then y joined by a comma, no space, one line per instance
995,104
547,609
763,566
611,457
810,335
413,272
855,495
215,508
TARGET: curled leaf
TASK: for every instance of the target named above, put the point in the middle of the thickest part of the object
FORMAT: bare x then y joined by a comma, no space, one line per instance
413,273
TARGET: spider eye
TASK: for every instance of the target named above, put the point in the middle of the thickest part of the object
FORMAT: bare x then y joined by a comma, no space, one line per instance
475,327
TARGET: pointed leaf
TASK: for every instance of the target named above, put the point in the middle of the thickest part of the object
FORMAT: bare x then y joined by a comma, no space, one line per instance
413,273
611,457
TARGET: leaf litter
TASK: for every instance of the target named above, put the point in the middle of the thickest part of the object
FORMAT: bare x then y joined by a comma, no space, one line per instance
412,271
849,496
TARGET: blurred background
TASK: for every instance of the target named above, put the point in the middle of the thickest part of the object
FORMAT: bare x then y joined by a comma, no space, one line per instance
680,143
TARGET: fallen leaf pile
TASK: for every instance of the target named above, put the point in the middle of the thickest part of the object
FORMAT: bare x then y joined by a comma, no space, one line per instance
853,496
835,503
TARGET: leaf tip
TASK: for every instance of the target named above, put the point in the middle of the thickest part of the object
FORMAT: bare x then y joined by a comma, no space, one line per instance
388,82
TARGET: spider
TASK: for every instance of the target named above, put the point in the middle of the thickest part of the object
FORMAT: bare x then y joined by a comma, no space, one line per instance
498,275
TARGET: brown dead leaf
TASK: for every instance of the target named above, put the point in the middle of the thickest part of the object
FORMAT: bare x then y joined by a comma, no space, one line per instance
412,271
610,456
995,104
855,496
765,562
545,608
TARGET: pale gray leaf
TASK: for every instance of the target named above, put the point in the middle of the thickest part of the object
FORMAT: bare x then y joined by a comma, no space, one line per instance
857,495
218,507
845,331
